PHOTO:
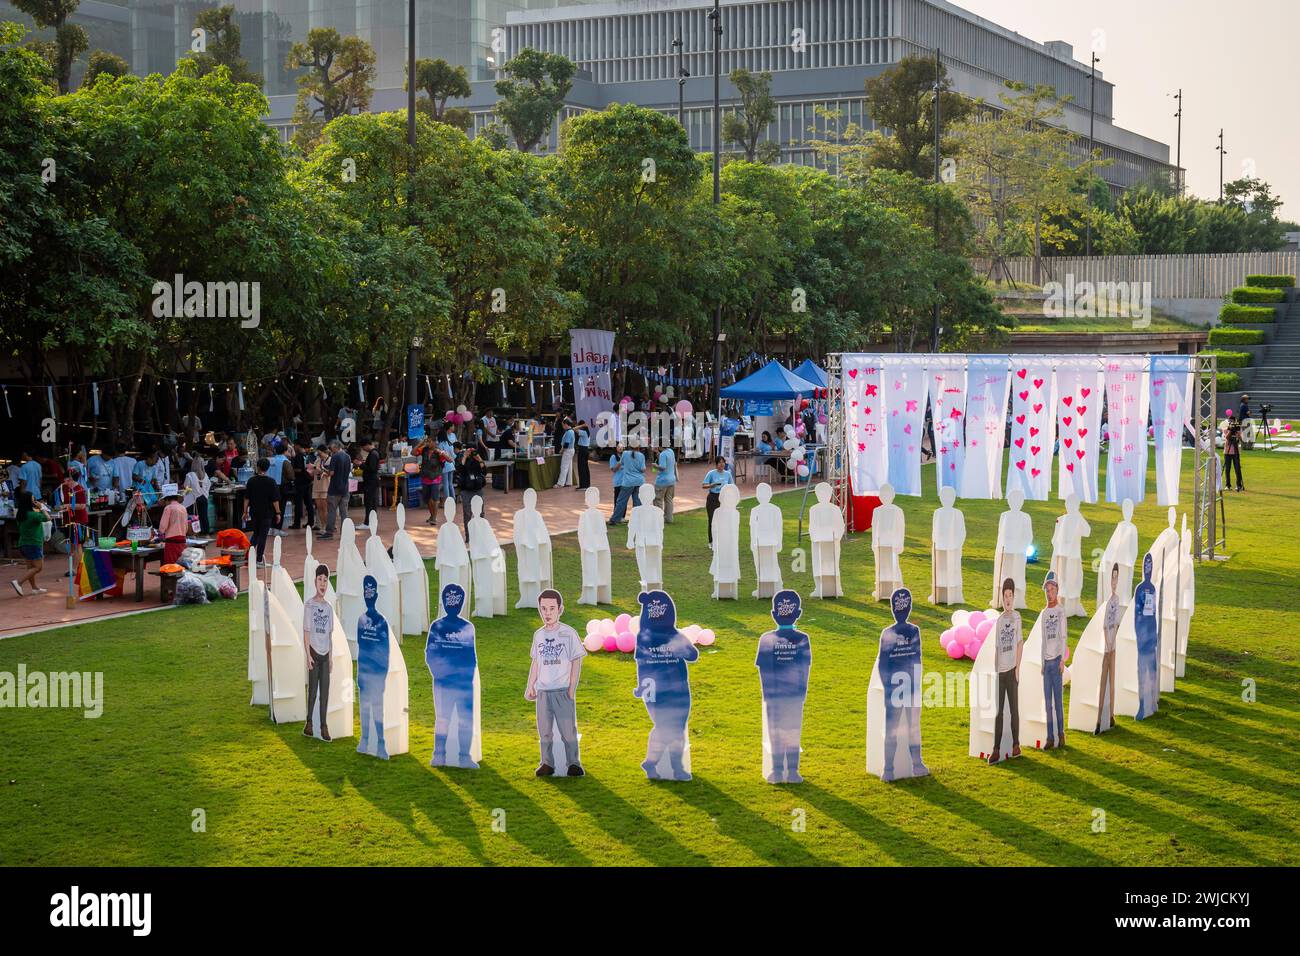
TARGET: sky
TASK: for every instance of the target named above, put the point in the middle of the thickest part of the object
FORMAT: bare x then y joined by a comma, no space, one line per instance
1235,61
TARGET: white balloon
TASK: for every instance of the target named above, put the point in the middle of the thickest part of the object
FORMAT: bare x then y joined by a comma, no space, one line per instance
789,430
790,444
960,617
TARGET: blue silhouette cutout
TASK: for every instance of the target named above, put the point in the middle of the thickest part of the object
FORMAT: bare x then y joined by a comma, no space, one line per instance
900,672
372,670
783,661
1146,622
663,685
452,658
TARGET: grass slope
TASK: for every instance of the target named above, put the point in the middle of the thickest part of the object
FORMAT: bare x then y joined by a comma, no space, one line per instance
1209,780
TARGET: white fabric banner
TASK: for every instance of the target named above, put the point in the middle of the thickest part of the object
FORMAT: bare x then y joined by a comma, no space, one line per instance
1033,427
1127,402
864,422
948,410
905,387
590,352
1170,382
986,421
1078,410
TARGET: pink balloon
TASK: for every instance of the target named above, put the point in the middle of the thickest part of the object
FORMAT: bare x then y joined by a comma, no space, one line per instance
799,430
625,400
946,637
593,642
593,626
684,409
975,618
610,642
801,469
1067,653
622,623
973,649
607,627
450,416
955,650
982,630
965,635
707,637
626,642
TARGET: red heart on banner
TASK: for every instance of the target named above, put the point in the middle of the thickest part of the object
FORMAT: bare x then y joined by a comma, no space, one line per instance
1069,466
1035,472
1038,383
1023,372
854,403
1067,441
1024,396
1085,392
1036,449
1038,408
1032,431
1068,399
853,373
1020,443
1021,464
1067,419
1020,419
1083,432
1082,409
1079,452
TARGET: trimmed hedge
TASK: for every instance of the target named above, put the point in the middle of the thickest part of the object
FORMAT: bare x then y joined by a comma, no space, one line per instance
1228,382
1226,336
1230,359
1270,282
1247,293
1246,314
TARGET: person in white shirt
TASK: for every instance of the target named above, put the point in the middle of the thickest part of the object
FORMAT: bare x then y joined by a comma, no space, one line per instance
1110,627
1009,646
557,655
1053,623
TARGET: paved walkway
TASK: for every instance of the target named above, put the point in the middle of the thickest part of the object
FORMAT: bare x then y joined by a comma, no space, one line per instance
559,506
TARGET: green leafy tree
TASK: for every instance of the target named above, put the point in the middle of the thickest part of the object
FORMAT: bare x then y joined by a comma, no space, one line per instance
748,124
69,41
103,63
439,81
532,93
222,43
338,78
900,102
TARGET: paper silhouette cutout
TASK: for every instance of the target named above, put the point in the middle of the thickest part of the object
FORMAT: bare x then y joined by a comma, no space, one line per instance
451,655
288,658
412,578
947,535
593,544
645,534
663,684
1092,671
380,566
765,521
887,544
1067,561
532,551
826,531
894,698
381,681
1137,666
351,570
725,566
1165,567
1122,549
329,680
1042,674
553,678
1015,535
258,644
783,661
995,686
1187,599
488,564
452,559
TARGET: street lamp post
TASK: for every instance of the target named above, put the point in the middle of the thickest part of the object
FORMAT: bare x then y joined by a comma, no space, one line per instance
1178,171
682,74
1092,118
715,16
938,178
1222,152
412,353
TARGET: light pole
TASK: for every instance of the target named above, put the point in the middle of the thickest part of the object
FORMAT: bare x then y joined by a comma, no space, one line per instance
938,178
1092,118
682,74
1178,171
715,16
1222,152
412,353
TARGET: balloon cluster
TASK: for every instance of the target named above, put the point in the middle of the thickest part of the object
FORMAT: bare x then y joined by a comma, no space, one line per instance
967,634
460,416
793,443
619,634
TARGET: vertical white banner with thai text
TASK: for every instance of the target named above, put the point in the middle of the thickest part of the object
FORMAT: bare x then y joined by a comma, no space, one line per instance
590,353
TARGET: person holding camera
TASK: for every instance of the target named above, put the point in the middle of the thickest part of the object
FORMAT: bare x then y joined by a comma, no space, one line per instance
1232,453
471,476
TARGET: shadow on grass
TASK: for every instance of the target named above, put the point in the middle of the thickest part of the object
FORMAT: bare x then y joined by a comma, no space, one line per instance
892,841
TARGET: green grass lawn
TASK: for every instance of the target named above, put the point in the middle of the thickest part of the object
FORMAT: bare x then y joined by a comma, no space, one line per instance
1210,780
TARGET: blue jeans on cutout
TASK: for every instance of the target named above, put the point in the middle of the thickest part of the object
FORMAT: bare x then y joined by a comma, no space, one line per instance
1052,700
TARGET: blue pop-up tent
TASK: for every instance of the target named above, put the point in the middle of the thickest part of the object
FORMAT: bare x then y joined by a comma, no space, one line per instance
813,373
771,382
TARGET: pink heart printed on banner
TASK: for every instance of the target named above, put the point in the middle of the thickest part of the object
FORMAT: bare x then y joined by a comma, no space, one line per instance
1079,452
1021,464
1022,373
1081,409
1128,472
1069,399
1036,449
911,405
1173,407
956,413
1038,383
910,449
1083,433
1038,408
1032,431
1068,441
1067,419
853,373
894,413
907,429
1085,392
1024,396
953,466
1069,466
1035,472
974,442
898,385
1020,419
1020,442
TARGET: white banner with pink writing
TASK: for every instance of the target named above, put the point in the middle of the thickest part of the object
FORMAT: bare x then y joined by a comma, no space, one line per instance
905,388
986,425
1171,377
1126,427
948,413
864,420
1033,426
1078,417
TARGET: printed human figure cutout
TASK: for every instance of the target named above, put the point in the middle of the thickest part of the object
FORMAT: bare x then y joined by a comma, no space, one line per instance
663,685
1067,561
452,558
412,578
645,534
725,566
372,670
532,551
1042,708
288,658
765,534
593,542
1187,599
1146,626
318,644
342,690
351,571
887,544
553,677
995,685
783,661
1092,671
451,654
488,564
1015,535
947,536
380,566
894,698
826,531
1121,550
259,640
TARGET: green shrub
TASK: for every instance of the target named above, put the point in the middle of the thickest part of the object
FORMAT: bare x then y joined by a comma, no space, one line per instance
1246,294
1230,359
1249,314
1271,282
1228,382
1226,336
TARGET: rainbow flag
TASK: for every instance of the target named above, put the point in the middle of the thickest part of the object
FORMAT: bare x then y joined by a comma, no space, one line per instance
95,574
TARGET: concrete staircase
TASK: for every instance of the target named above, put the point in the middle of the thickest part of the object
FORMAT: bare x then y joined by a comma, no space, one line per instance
1275,379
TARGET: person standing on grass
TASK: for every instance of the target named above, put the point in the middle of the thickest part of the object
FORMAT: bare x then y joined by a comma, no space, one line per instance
1232,453
339,491
33,516
666,482
318,641
553,684
566,455
583,442
471,476
262,505
629,476
370,492
718,476
320,484
304,504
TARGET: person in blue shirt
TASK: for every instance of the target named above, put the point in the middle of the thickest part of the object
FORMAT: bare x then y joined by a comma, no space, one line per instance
372,670
447,445
663,683
666,482
583,439
567,452
29,475
452,658
142,478
717,476
629,475
783,661
98,474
